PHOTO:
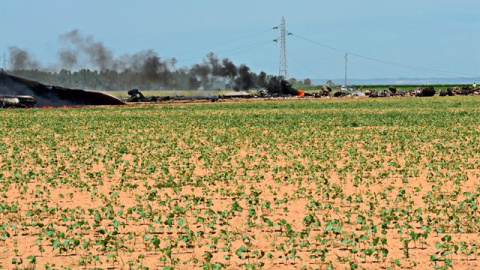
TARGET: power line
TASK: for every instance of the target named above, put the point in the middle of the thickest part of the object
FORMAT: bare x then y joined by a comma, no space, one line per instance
225,42
426,70
260,44
304,66
238,49
253,45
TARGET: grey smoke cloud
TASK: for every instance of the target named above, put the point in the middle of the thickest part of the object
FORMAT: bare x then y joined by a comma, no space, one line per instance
22,59
83,50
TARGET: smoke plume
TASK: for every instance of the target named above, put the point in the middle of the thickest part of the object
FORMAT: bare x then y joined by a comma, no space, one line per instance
146,66
279,85
21,59
98,55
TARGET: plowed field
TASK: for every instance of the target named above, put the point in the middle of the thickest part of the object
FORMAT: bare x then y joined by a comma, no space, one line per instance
312,184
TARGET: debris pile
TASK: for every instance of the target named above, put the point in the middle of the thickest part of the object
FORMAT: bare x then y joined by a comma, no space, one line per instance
427,91
18,101
53,96
465,90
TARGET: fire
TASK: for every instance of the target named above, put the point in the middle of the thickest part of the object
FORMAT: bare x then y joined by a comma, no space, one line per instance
61,107
300,93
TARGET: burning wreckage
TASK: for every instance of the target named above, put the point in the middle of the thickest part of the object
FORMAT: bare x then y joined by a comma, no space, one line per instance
16,92
276,88
18,101
22,93
137,96
280,88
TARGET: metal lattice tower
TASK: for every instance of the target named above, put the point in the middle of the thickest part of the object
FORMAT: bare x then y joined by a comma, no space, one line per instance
283,51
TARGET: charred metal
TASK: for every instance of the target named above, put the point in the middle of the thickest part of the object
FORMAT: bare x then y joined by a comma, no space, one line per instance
52,96
19,101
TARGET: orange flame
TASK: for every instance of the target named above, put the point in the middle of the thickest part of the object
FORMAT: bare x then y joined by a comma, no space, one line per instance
61,107
300,93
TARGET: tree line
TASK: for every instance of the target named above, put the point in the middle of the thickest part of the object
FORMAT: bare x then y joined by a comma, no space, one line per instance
111,80
108,80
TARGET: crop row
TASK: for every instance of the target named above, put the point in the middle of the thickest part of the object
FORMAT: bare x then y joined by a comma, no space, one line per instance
327,184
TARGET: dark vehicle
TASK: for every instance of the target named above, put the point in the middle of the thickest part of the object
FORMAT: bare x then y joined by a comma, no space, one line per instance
20,101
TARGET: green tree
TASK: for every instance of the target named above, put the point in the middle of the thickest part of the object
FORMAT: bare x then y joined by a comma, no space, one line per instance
329,83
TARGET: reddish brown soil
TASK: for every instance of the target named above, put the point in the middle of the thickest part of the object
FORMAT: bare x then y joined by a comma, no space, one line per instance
251,197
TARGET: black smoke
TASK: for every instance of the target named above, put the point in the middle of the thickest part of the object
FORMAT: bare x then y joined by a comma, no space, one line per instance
281,86
145,66
97,54
22,59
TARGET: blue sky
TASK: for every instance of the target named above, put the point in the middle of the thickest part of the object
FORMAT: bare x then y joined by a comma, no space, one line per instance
383,39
